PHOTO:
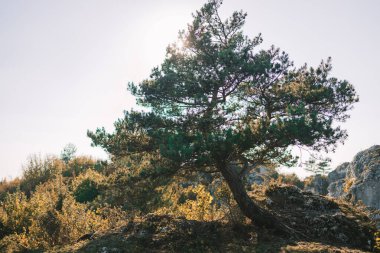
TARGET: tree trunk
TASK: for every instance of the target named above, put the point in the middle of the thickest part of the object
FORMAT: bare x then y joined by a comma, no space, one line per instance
260,216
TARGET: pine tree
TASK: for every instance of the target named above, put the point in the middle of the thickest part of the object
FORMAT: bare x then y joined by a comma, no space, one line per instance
220,105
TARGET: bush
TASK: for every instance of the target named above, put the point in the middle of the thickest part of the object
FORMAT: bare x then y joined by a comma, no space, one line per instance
38,171
133,185
78,166
14,243
8,187
292,179
194,202
76,220
15,213
86,191
87,186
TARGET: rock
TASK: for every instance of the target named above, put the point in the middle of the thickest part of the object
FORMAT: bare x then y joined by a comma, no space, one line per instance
375,216
358,180
317,216
260,175
339,173
336,179
335,189
142,234
316,184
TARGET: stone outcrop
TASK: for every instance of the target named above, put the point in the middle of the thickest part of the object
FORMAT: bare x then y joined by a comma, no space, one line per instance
364,174
317,216
316,184
336,180
259,175
358,180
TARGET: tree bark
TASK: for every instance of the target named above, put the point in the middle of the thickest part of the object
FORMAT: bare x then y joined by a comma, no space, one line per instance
260,216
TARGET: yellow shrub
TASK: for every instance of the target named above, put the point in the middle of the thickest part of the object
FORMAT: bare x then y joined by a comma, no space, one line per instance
192,202
114,216
76,220
89,174
14,243
37,223
200,208
377,241
15,212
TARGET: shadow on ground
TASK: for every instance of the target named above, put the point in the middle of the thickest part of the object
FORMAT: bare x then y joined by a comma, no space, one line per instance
316,224
166,234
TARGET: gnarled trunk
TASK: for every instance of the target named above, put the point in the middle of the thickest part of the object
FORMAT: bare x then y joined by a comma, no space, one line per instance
249,208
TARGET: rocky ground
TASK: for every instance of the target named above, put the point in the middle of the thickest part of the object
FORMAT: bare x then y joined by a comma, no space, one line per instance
317,224
164,234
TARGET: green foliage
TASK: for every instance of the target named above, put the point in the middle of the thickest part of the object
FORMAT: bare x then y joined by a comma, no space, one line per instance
86,191
319,165
87,186
218,99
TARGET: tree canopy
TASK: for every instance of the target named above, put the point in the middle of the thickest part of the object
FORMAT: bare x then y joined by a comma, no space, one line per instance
220,100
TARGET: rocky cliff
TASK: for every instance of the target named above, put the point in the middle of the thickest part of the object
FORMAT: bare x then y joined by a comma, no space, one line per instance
316,184
358,180
355,181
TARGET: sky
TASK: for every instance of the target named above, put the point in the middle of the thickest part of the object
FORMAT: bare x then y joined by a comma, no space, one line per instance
65,65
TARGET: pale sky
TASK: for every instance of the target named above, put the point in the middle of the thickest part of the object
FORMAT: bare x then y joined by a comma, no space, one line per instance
65,65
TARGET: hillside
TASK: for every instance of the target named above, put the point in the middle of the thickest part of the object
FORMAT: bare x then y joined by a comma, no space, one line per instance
93,206
167,234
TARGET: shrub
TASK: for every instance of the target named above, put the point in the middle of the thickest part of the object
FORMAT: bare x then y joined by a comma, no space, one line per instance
15,213
87,186
86,191
38,171
193,202
79,165
125,188
377,241
14,243
292,179
8,187
77,219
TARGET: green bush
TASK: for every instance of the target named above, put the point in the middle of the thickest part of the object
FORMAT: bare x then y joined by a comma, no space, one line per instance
86,191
